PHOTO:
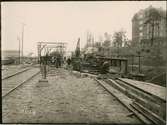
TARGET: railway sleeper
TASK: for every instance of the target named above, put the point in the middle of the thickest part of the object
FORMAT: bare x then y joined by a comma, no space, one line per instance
151,96
155,108
150,115
125,100
142,94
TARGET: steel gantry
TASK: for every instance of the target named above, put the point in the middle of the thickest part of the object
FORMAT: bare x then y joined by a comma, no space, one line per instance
44,50
47,47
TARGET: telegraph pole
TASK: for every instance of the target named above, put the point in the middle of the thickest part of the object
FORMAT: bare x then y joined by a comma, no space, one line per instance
23,24
18,38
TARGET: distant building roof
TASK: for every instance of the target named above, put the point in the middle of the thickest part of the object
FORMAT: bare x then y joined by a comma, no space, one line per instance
10,53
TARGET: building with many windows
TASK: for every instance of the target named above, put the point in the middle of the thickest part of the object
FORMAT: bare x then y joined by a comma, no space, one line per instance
148,25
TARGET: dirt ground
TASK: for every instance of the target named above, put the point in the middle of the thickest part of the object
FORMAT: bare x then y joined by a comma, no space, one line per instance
66,98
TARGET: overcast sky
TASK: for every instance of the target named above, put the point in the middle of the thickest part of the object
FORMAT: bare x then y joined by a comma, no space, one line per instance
66,21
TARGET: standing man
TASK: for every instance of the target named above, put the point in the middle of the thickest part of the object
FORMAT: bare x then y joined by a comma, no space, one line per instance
104,69
68,61
68,64
43,62
57,63
53,60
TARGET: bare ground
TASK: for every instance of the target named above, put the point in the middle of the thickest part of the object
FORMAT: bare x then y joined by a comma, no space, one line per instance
65,99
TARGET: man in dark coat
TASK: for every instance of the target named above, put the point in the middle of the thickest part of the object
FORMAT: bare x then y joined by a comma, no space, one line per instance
69,61
105,67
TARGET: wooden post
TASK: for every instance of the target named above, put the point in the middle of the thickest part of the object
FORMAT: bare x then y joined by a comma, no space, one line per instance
132,62
126,67
139,64
120,64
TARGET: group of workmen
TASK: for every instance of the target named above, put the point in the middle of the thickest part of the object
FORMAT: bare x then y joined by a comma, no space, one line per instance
74,64
57,61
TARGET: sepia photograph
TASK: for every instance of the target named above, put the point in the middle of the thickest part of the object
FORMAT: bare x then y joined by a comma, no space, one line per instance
84,62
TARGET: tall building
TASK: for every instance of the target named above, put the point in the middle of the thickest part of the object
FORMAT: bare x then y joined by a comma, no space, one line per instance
148,25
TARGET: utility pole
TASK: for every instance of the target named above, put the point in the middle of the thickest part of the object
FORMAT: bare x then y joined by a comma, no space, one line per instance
18,38
22,40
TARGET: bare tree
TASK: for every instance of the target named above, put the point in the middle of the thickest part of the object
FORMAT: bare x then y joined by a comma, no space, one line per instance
155,52
107,41
153,20
119,39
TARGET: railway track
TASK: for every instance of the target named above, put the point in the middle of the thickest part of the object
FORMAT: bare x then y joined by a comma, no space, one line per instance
124,100
7,74
11,83
149,108
139,102
13,74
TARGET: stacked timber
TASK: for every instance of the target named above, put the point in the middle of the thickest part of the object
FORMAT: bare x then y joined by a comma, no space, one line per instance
149,99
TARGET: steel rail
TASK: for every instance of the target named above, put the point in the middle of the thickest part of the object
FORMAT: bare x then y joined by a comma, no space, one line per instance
145,117
142,118
6,77
11,90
